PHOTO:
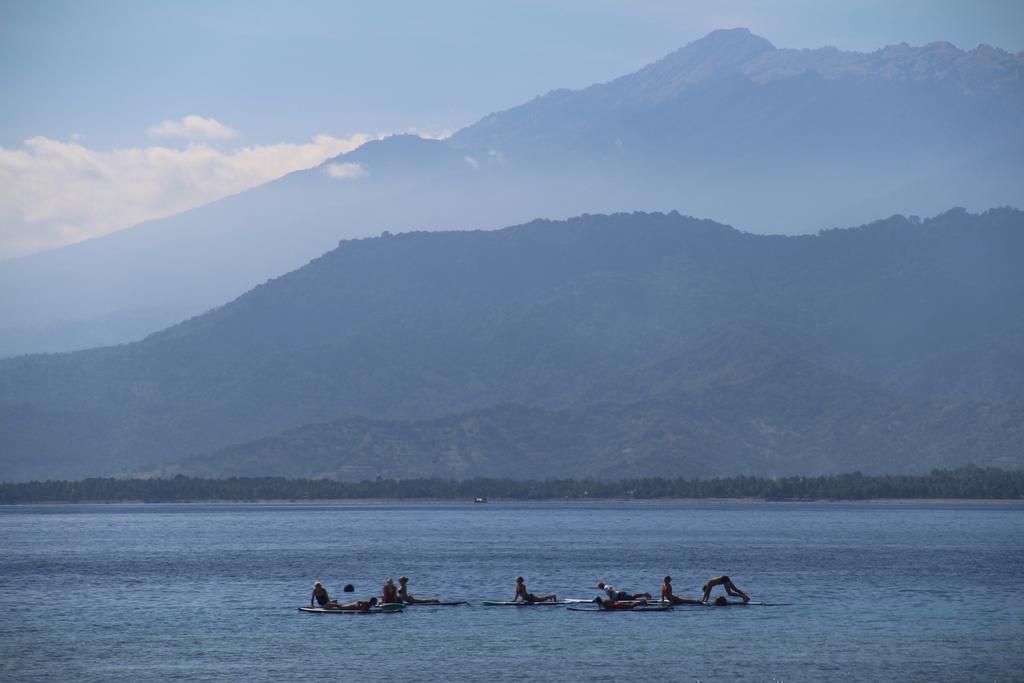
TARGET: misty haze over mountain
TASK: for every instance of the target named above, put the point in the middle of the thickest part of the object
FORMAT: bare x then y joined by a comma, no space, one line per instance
729,127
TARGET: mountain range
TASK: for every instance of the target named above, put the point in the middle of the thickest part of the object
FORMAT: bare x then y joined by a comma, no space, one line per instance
770,140
604,345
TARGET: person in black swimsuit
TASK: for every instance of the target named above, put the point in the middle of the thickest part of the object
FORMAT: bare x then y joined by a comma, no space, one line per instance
321,596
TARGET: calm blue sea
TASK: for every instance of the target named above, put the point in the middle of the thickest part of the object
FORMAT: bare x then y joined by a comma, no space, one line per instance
880,592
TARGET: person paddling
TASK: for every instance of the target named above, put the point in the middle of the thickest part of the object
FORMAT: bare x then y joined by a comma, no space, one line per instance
403,594
390,592
527,596
672,599
726,583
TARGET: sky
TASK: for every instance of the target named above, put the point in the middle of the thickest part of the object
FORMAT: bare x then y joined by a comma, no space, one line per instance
116,112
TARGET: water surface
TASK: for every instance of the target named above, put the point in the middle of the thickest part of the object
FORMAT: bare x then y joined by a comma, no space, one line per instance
879,591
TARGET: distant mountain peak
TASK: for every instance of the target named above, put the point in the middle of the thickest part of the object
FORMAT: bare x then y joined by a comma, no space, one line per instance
739,39
728,47
719,51
726,59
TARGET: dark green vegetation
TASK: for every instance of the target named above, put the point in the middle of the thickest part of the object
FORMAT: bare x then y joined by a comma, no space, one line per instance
964,483
604,346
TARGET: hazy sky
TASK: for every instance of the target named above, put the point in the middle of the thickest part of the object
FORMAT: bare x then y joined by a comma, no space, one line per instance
117,111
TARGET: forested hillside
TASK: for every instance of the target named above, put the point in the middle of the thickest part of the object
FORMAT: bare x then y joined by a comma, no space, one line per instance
602,345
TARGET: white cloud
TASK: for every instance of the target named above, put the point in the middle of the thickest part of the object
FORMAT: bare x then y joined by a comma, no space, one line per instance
430,134
53,193
193,128
345,171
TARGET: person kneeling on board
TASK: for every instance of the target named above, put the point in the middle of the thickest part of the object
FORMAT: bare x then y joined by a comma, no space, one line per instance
527,596
726,583
403,594
672,599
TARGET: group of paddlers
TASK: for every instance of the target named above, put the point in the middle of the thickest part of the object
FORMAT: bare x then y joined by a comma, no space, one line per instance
615,598
619,599
624,600
391,594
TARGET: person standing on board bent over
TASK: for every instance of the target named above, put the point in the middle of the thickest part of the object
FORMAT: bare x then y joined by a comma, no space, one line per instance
670,598
390,592
403,594
726,583
527,596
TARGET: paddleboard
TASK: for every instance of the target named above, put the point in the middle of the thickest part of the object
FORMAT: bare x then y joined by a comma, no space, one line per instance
638,608
379,609
508,603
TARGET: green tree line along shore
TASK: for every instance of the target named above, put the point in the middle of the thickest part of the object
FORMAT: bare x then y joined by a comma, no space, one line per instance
964,483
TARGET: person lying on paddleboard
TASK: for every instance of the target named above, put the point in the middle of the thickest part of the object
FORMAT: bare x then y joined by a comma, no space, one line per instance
726,583
357,605
321,596
403,594
606,603
670,598
617,595
527,596
390,592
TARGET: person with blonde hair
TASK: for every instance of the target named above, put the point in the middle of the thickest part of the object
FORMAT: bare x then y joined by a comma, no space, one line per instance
390,592
321,596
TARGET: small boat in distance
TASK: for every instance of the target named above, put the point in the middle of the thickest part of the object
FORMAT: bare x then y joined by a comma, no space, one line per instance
480,499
